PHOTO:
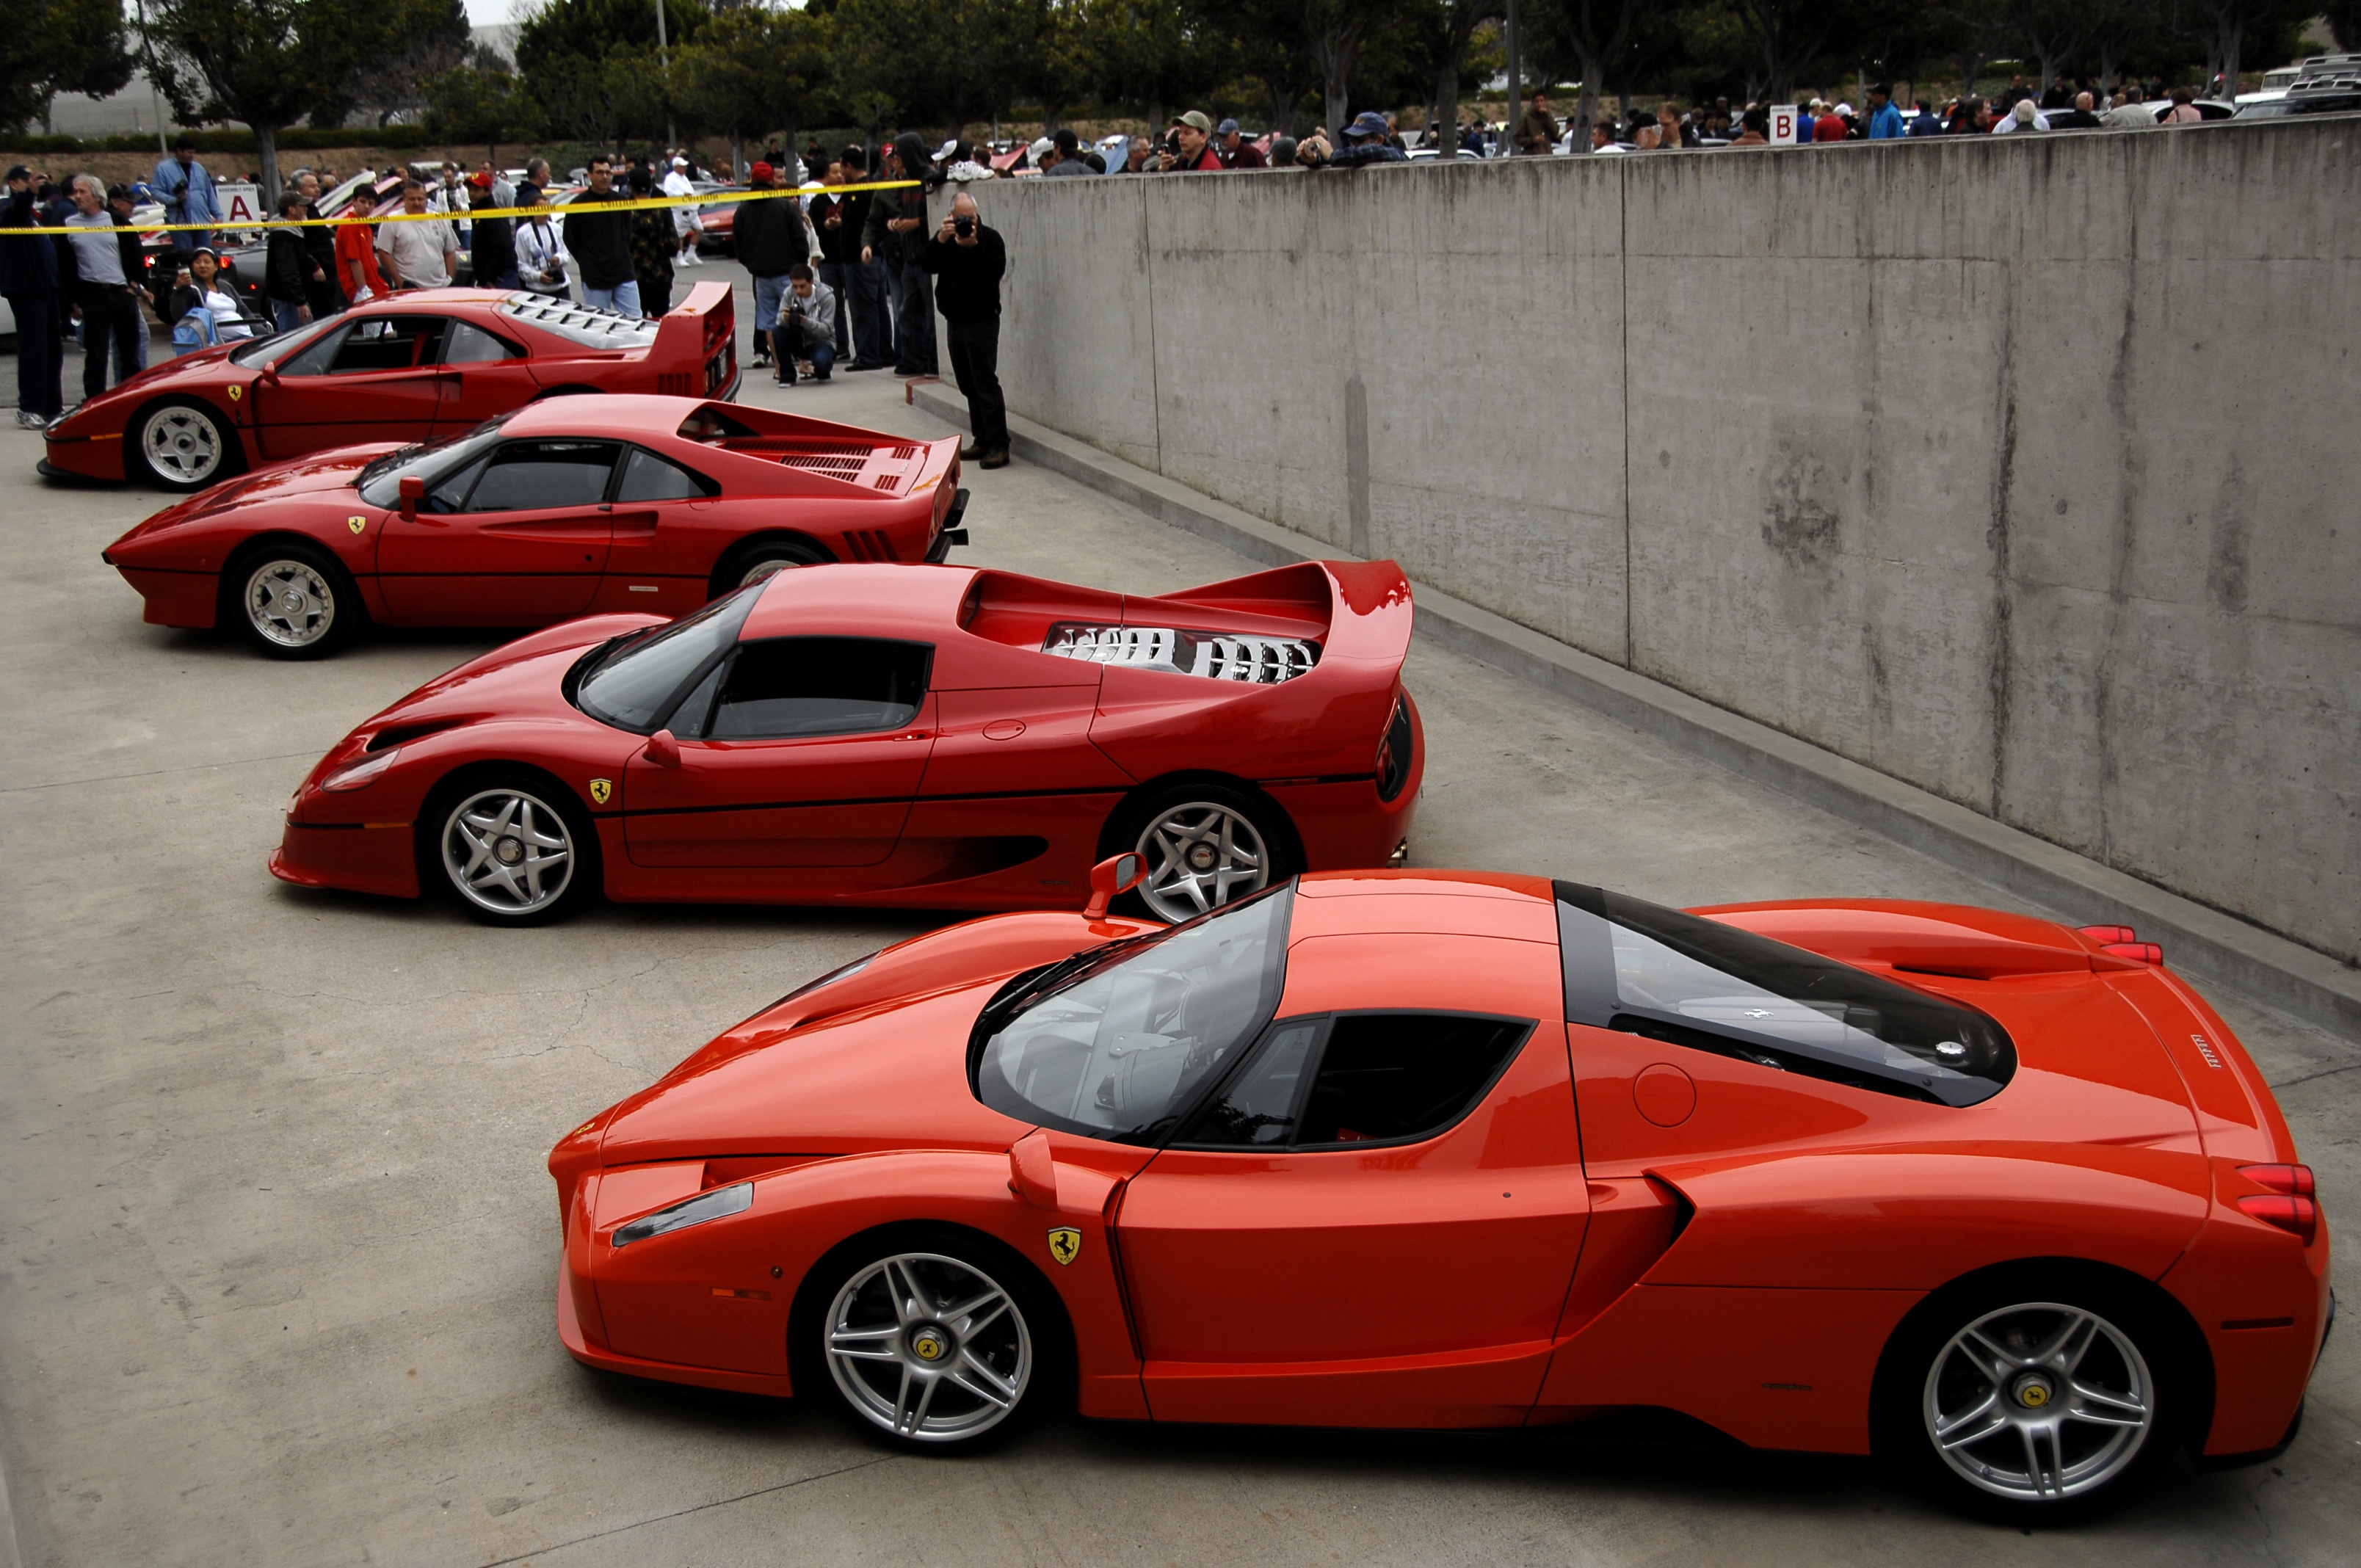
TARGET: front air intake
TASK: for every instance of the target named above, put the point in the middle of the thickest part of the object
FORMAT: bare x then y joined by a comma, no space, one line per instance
1215,655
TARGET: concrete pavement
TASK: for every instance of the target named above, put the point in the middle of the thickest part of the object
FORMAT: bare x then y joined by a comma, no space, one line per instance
280,1251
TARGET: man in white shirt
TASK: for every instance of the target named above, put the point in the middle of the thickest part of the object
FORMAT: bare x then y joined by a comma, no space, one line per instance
417,254
2024,118
683,218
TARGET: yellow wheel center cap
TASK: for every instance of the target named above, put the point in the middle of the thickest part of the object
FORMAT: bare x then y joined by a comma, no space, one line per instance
2032,1393
929,1346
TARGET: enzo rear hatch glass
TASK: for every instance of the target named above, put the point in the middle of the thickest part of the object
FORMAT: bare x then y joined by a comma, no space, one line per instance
1691,982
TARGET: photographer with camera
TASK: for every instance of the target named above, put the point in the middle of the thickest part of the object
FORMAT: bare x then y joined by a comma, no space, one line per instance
807,326
968,260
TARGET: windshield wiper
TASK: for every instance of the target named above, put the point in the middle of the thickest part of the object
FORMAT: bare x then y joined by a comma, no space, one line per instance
391,459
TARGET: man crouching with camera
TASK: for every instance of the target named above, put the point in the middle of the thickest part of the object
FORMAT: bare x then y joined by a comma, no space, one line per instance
968,260
807,330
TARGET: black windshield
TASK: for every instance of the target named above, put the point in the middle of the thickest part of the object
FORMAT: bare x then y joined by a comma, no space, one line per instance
1118,1042
380,482
637,684
1689,980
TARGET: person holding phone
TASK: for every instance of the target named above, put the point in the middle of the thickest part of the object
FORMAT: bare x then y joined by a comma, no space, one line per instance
967,262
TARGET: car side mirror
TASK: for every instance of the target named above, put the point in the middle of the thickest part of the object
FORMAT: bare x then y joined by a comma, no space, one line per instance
413,490
1115,874
661,750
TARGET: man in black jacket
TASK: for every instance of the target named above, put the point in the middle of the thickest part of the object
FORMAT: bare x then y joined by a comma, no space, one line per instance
28,279
967,262
769,239
896,231
600,243
287,266
862,297
320,244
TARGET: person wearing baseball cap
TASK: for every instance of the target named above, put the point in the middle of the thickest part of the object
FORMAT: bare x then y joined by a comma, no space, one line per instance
1192,150
686,230
1232,148
1366,142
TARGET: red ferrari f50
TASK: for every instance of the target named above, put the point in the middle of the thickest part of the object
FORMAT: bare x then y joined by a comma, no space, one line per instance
405,367
2003,1202
910,736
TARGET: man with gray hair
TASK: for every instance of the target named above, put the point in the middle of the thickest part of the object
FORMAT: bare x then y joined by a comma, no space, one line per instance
102,296
968,261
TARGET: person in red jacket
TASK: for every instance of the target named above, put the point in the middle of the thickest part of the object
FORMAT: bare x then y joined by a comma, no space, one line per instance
356,272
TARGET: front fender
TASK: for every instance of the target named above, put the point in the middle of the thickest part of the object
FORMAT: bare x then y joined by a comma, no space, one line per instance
1914,1218
718,1296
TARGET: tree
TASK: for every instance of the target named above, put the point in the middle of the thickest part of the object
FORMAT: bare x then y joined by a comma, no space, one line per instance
2055,29
917,61
1577,38
2344,23
1153,53
754,69
60,46
271,62
395,84
1334,31
1436,42
1267,48
2225,26
478,102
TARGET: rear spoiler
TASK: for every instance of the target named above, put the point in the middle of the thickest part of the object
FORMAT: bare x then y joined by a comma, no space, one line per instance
697,344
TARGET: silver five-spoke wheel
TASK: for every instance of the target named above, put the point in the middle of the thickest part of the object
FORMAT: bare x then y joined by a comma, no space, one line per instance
2040,1402
290,603
930,1348
1200,856
508,853
181,445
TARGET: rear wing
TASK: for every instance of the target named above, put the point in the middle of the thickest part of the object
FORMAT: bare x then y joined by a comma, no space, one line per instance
696,345
844,458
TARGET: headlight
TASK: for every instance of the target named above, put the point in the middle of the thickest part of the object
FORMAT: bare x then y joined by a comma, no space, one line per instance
363,772
713,1206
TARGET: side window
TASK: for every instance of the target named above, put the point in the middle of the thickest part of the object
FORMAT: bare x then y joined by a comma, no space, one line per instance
1386,1077
449,494
466,344
786,686
525,475
1359,1078
386,343
314,357
648,477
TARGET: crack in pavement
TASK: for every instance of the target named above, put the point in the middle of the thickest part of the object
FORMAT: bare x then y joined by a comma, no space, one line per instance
160,772
692,1508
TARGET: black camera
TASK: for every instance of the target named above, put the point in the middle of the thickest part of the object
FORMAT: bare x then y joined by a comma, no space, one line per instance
963,226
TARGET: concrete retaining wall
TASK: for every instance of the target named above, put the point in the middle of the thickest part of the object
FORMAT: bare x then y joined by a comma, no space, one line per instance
2022,468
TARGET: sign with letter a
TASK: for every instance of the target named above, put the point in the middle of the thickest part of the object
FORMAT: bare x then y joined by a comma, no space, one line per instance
1783,125
241,205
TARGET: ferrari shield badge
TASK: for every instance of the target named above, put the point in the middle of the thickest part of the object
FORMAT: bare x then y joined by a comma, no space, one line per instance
1065,1243
355,523
600,789
236,394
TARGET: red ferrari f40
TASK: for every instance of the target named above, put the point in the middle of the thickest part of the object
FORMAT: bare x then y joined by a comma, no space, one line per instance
406,367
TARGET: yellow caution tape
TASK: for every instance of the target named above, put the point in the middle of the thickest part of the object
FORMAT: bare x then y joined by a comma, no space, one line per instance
627,204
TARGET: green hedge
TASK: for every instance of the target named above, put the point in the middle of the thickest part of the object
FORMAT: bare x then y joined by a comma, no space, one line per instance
294,138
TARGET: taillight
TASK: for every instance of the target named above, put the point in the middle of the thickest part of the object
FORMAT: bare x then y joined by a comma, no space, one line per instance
1394,751
2292,1203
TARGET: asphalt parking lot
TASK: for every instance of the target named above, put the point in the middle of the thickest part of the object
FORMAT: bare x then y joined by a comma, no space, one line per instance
280,1250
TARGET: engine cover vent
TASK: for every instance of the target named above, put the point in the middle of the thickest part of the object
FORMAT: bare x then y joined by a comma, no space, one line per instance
1216,657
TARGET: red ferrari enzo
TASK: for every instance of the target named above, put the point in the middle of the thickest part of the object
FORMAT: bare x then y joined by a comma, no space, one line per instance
2001,1202
406,367
578,504
909,735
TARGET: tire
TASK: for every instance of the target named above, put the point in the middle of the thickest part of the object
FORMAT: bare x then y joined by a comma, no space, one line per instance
876,1333
1205,845
510,848
181,445
760,558
291,599
2038,1394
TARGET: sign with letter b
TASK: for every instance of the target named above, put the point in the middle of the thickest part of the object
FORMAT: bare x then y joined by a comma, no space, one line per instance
1783,125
